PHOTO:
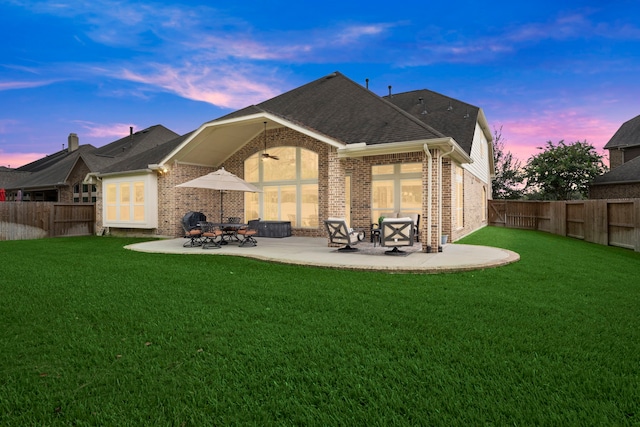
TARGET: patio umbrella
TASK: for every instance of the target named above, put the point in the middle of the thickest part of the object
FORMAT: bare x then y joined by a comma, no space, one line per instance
223,181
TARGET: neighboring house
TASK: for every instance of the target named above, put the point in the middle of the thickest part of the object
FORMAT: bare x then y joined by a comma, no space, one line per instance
59,176
342,151
623,179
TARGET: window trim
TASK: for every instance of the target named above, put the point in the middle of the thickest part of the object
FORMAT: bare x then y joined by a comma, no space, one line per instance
150,203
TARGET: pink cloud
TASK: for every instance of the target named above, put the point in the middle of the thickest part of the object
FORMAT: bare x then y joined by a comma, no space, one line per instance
228,87
105,130
15,160
24,84
523,136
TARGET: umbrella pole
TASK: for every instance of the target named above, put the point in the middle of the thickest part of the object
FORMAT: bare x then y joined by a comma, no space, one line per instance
221,206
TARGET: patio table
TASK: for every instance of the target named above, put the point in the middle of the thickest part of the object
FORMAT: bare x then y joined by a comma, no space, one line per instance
231,226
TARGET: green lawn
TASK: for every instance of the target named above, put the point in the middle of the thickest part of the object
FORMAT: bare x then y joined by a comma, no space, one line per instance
92,334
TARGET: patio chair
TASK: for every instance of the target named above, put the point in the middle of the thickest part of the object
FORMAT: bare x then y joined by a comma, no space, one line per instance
231,232
341,234
191,224
210,235
247,233
397,232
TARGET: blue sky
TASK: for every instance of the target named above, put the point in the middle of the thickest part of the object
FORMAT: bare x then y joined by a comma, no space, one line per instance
546,70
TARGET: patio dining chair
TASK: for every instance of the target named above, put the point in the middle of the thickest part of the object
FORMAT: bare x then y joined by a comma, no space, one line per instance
341,234
210,236
231,232
248,232
191,224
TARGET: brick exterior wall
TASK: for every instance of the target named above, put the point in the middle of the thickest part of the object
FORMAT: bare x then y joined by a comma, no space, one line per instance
615,191
175,202
616,158
474,209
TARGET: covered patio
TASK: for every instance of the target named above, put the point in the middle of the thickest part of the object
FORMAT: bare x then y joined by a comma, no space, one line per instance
313,251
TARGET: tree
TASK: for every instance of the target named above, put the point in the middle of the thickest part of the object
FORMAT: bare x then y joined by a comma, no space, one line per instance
509,178
563,171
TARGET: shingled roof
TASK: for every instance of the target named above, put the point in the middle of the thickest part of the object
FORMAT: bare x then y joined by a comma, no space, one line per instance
628,172
627,136
339,108
142,160
53,170
450,116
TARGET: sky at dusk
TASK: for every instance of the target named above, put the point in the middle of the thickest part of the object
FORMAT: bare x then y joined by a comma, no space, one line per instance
545,70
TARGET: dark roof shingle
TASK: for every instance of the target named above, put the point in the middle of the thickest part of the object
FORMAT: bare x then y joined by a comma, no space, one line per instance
627,172
341,109
627,135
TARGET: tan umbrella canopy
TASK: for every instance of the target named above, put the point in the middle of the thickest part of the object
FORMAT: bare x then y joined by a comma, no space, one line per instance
223,181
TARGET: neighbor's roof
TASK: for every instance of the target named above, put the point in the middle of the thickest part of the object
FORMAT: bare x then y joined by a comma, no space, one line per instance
341,109
53,170
626,173
627,135
142,160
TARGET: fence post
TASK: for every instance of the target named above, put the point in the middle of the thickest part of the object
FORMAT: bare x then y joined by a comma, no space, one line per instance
636,211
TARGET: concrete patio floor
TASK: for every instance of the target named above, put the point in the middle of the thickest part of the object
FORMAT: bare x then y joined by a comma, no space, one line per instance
315,252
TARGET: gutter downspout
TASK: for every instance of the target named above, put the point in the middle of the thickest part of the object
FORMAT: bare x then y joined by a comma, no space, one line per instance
440,196
429,195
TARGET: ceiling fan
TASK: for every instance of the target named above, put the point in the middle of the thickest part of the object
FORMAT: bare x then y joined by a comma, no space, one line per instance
266,155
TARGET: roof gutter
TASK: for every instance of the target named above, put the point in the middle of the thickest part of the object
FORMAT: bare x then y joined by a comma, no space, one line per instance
447,144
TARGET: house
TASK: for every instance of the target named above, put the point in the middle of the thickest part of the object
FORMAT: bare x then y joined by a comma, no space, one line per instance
341,151
59,177
623,179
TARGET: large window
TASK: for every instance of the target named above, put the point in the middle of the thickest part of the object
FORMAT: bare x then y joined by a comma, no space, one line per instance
396,188
289,187
130,202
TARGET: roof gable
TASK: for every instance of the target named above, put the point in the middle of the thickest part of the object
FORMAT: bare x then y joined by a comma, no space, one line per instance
627,135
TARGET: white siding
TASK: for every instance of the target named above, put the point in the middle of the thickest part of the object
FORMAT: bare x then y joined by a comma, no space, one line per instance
480,154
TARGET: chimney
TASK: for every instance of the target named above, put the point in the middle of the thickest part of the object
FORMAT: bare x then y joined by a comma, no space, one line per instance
390,91
130,130
74,142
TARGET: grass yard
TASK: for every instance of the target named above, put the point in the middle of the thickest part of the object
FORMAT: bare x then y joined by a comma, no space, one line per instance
92,334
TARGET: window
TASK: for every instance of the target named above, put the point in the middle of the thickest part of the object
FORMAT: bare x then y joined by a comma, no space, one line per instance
88,193
396,188
289,187
130,202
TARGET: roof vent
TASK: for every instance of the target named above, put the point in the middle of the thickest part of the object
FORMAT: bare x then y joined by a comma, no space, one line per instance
390,91
367,82
424,107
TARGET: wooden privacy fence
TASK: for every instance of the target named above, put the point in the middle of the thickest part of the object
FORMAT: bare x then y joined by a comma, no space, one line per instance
614,222
35,220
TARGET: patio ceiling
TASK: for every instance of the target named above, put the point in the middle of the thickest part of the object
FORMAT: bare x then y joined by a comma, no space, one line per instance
216,141
211,145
